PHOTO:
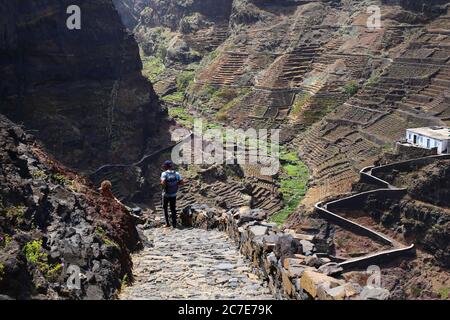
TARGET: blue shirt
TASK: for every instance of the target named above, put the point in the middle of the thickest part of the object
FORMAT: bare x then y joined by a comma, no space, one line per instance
163,178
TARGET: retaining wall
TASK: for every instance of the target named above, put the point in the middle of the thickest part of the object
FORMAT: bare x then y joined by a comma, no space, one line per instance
368,175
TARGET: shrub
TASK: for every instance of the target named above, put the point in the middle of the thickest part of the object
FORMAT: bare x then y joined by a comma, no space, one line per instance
61,179
184,79
38,174
16,214
33,252
36,256
5,240
351,88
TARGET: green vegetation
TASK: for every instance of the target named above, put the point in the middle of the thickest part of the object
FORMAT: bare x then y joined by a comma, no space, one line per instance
300,101
61,179
161,36
207,92
38,174
124,282
416,291
443,293
175,98
182,116
16,214
209,57
294,179
152,67
101,233
5,240
374,79
33,252
35,255
184,79
2,272
351,88
233,97
322,106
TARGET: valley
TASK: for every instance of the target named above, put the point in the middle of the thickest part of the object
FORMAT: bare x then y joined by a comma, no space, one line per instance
113,101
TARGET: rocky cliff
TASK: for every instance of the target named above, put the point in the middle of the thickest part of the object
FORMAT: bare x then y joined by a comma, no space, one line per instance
52,224
169,13
80,91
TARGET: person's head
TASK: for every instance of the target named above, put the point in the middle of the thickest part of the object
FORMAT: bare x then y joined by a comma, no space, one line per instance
105,186
168,165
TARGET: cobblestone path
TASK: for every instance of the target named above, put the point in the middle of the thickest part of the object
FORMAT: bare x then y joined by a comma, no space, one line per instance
192,264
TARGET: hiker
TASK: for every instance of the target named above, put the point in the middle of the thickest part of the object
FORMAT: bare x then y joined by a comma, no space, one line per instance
170,180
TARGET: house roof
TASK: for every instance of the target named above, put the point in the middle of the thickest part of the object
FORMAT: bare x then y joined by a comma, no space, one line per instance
436,132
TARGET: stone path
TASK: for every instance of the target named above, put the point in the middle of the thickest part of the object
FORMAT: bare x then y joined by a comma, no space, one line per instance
192,264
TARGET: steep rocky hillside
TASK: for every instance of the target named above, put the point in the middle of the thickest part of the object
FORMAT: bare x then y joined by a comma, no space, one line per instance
80,91
51,220
341,91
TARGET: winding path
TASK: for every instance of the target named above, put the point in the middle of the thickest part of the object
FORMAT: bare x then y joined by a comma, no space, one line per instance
369,175
192,264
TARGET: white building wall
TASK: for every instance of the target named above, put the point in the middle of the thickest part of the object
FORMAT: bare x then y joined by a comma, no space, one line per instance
427,142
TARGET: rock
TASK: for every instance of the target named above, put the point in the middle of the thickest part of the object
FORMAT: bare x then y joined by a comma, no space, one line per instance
324,260
373,293
326,293
288,286
341,292
179,51
257,231
307,247
312,261
94,292
330,269
224,266
245,214
269,242
286,247
311,281
292,262
301,236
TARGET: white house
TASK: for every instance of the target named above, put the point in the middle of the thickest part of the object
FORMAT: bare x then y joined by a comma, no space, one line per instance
430,137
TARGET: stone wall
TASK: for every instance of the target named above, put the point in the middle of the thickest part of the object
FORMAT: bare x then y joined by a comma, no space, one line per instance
290,262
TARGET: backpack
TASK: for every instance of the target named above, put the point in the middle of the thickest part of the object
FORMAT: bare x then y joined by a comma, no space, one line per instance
171,182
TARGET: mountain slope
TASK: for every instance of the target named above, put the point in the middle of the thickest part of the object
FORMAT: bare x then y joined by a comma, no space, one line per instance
81,91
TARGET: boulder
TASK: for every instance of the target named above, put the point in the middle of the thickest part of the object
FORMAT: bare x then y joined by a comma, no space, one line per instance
295,267
341,292
288,286
307,247
311,281
312,261
245,214
257,231
286,247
